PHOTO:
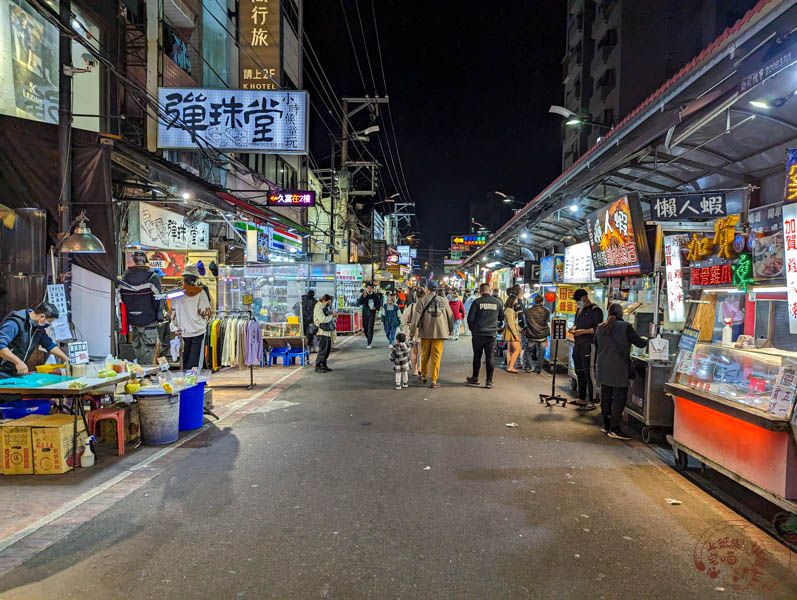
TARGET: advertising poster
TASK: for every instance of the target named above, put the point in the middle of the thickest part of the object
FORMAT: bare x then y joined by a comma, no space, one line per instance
564,301
578,264
162,228
617,239
172,264
766,243
28,63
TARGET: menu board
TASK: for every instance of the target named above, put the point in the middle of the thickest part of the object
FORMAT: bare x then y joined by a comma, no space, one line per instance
578,264
766,243
617,239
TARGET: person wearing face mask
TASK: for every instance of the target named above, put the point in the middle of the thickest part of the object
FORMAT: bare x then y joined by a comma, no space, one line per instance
21,333
588,317
190,315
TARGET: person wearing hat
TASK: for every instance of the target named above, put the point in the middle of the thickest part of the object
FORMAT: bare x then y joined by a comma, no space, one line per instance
433,323
139,286
190,315
588,317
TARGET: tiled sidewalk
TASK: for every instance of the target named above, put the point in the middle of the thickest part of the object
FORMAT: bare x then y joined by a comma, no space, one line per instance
36,511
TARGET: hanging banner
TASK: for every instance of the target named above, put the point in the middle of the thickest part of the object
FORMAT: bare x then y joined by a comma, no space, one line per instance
162,228
234,120
260,60
790,239
617,239
564,301
675,282
688,206
578,264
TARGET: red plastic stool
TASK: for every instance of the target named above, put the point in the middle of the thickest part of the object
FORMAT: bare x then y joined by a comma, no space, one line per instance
118,414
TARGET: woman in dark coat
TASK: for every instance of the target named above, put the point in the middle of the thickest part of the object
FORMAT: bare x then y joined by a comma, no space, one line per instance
613,339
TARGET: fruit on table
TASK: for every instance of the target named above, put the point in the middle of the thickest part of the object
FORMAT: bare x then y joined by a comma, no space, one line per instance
167,387
132,388
77,385
107,373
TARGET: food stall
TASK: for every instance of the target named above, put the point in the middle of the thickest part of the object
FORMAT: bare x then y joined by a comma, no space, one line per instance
578,272
349,280
735,377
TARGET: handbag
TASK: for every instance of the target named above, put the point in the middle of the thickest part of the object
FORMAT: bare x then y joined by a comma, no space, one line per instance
629,365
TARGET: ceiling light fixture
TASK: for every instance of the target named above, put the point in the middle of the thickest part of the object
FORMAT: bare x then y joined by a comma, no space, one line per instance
573,207
186,195
759,103
573,122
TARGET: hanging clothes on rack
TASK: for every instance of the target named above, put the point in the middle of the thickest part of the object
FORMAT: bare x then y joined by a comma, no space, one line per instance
234,339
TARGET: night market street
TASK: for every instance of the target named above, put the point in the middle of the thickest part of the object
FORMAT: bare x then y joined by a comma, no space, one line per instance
340,486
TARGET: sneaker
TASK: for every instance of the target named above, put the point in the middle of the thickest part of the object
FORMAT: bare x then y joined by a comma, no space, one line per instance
424,380
368,346
604,430
587,407
405,385
489,385
434,384
617,435
398,386
472,380
390,345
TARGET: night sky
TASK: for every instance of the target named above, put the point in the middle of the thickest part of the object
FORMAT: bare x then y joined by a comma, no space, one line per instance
470,84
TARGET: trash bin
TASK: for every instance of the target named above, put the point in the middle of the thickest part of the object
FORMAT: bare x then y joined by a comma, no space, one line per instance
160,417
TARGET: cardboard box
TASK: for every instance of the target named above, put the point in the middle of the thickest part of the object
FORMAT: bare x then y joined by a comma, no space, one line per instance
52,444
16,446
107,427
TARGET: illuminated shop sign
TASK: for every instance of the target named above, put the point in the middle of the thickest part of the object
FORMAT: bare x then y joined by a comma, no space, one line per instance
259,66
617,239
675,281
298,198
688,206
233,120
578,264
468,240
790,239
552,268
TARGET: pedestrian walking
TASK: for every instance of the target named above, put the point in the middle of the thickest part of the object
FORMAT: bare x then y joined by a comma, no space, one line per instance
535,336
400,357
433,323
401,299
370,302
391,319
511,333
324,319
468,302
614,368
588,317
483,323
308,310
458,309
412,339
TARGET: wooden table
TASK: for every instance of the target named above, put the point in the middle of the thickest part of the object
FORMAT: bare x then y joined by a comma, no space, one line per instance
61,391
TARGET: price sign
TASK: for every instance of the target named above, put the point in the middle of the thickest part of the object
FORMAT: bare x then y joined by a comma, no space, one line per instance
78,353
248,299
558,329
56,294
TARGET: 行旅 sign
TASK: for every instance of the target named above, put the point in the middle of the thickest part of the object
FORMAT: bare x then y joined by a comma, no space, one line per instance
260,65
162,228
688,206
274,122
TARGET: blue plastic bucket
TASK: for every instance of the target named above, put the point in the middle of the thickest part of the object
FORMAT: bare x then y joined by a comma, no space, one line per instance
160,416
22,408
192,407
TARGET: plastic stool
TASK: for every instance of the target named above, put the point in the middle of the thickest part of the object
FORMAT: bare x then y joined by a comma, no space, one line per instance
275,353
118,414
289,358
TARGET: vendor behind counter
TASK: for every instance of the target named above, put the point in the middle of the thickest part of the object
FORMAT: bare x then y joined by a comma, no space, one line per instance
21,334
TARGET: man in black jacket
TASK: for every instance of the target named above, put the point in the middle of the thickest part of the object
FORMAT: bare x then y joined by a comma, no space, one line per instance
483,319
371,302
588,317
139,286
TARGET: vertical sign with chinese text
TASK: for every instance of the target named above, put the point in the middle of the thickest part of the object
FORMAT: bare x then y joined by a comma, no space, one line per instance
260,59
617,239
790,242
675,281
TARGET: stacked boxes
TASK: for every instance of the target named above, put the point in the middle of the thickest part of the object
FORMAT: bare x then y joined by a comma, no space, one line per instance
40,444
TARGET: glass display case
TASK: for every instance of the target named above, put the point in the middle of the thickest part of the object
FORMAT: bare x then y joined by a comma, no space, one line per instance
763,379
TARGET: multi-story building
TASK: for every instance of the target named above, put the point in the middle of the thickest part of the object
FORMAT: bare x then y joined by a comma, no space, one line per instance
619,51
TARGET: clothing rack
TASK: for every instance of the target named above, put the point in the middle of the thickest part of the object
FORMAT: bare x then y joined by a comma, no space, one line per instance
251,367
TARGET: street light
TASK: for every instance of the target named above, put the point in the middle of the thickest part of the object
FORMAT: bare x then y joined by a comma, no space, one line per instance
573,118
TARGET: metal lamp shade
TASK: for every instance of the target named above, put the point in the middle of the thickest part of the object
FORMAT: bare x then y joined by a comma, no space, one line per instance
82,241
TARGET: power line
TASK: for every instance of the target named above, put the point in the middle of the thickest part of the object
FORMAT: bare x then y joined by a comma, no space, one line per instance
353,47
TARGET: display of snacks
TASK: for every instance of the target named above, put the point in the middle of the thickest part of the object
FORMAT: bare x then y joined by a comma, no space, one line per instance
281,329
764,379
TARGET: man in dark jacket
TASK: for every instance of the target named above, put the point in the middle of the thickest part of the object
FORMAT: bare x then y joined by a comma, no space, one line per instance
139,286
371,302
308,308
588,317
21,334
535,336
483,324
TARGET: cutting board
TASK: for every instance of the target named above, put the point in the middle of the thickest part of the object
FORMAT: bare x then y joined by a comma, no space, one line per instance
34,380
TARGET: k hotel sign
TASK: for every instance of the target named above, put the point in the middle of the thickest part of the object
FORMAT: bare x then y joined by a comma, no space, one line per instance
260,60
233,120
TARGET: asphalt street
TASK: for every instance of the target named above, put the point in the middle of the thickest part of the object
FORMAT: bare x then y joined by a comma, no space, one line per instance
343,487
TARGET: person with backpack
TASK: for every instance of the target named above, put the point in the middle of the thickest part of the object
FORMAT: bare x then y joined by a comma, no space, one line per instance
412,340
433,323
308,309
614,368
138,289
